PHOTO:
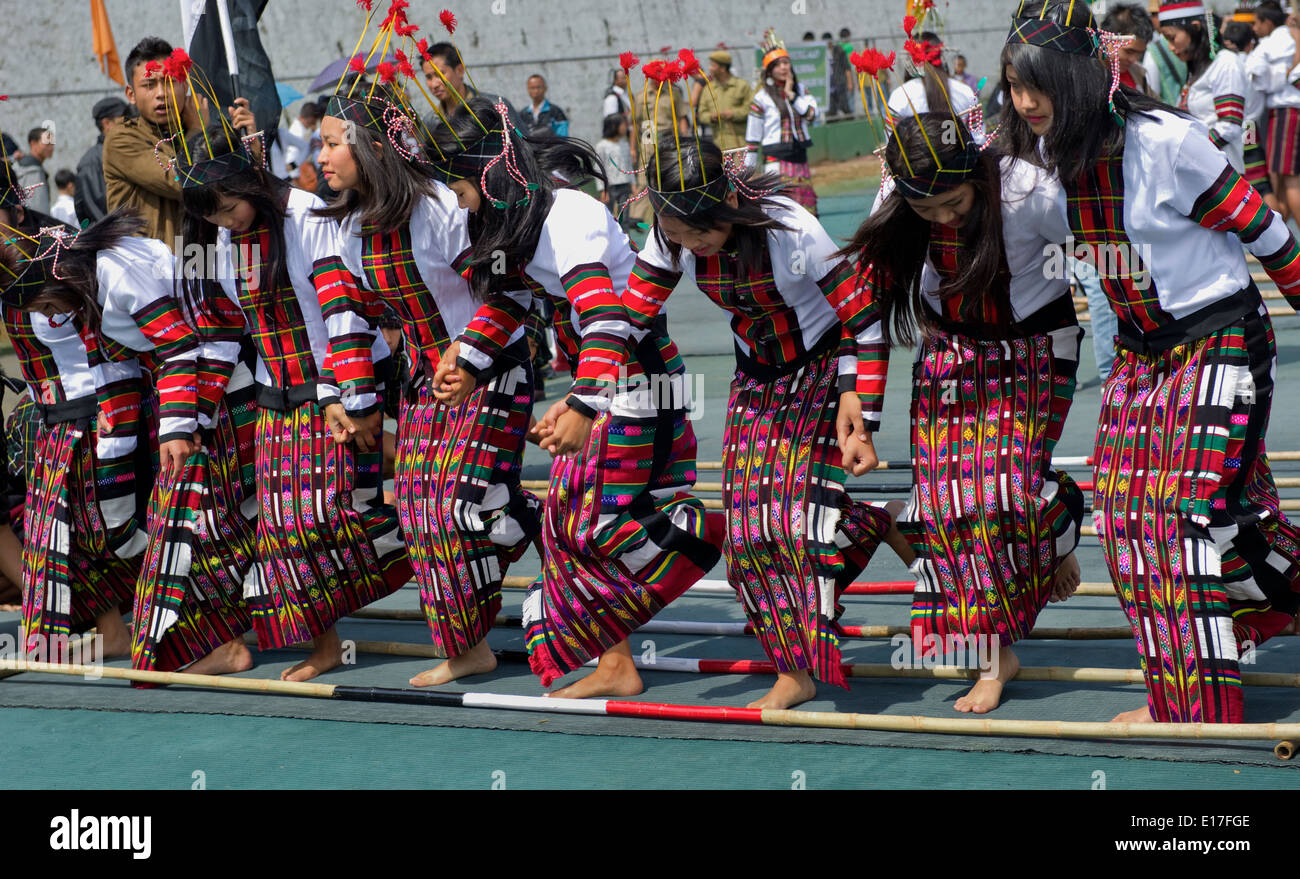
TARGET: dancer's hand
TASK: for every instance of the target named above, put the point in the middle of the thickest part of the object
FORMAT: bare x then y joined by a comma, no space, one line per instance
345,429
859,452
569,435
452,384
542,429
101,422
173,454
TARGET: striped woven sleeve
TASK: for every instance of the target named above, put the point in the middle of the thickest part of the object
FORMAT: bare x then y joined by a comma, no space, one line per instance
648,287
1227,128
863,354
348,371
220,327
605,327
493,325
1227,203
120,387
177,379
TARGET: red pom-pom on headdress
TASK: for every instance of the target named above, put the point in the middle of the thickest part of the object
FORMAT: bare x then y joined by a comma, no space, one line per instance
152,67
909,24
627,61
396,16
177,65
674,71
406,30
448,21
924,53
365,4
357,64
404,64
423,48
387,72
690,64
871,61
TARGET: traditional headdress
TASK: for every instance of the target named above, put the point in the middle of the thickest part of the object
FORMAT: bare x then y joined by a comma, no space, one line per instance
1077,36
688,202
388,111
201,167
912,182
773,47
37,265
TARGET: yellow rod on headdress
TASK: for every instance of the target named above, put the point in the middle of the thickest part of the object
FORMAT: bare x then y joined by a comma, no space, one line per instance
955,115
206,86
344,74
934,155
677,141
862,93
696,127
436,109
401,96
459,97
19,232
889,121
171,83
659,177
384,54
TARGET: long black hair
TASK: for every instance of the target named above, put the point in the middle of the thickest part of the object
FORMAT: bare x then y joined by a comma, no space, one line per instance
513,225
76,289
685,166
1200,42
269,196
894,241
1083,130
389,186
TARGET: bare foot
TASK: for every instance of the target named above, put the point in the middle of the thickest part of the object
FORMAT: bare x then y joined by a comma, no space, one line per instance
615,675
479,660
113,634
1137,715
326,654
1066,579
791,688
897,542
231,657
987,692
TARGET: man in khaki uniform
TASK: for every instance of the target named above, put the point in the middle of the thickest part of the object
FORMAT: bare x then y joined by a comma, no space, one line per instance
733,96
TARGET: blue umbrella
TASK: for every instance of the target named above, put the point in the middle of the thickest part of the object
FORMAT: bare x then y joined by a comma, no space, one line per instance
331,75
288,94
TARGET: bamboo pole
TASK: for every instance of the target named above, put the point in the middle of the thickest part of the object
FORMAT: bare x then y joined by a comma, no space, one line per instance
983,726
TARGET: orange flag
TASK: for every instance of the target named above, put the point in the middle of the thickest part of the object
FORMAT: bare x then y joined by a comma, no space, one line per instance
105,47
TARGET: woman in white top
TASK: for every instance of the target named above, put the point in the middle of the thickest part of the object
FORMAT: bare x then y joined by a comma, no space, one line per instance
1215,91
779,118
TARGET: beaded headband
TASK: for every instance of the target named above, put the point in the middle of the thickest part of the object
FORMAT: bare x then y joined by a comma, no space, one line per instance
36,267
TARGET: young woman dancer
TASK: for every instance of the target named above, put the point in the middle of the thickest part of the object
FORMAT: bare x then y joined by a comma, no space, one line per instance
82,526
120,289
623,536
459,502
960,249
1215,92
1186,508
326,543
794,538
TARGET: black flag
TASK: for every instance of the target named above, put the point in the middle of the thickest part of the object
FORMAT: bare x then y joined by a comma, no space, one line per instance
256,81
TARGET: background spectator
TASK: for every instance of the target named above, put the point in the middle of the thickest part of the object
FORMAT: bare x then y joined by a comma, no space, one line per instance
30,169
306,129
616,157
959,72
733,96
1134,21
616,100
64,208
838,88
444,73
90,200
541,116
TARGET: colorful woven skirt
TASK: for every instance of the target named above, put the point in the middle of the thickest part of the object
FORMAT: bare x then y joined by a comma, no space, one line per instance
1283,151
1205,564
988,518
327,545
794,539
623,535
21,431
69,574
462,511
202,539
797,179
